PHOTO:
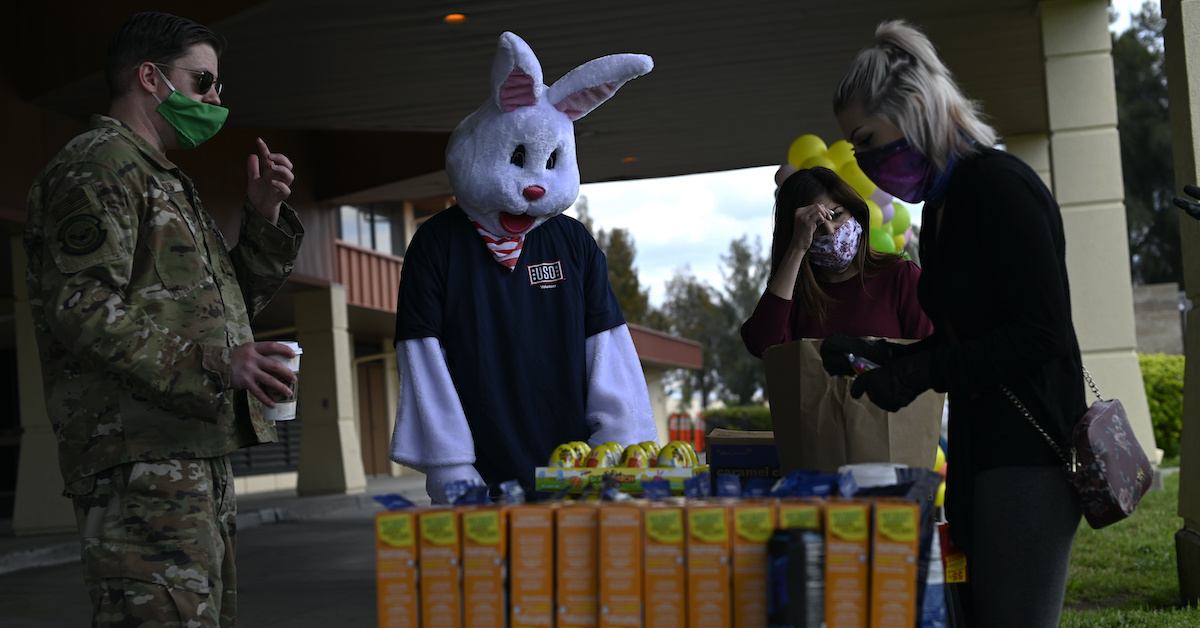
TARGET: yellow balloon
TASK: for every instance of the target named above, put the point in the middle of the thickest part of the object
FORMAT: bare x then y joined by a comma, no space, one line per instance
899,242
852,174
875,213
941,494
804,147
840,152
940,459
818,160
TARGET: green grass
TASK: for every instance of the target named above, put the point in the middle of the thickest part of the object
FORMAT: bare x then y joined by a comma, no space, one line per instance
1125,575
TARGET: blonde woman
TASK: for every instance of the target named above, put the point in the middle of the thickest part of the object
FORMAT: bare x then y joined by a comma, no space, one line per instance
994,282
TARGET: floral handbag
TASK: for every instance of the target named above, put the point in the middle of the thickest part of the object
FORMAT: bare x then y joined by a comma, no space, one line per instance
1107,467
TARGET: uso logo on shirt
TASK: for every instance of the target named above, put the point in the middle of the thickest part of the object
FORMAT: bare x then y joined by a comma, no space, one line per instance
545,275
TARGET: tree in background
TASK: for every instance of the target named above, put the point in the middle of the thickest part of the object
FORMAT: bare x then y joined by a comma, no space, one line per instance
691,310
744,270
1144,127
619,248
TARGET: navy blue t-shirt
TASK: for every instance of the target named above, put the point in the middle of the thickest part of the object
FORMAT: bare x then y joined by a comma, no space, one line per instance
514,339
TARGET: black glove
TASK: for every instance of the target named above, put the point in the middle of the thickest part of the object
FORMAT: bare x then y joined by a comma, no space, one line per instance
1191,207
895,384
836,346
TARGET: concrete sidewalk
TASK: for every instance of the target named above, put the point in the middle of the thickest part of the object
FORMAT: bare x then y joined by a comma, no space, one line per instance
43,550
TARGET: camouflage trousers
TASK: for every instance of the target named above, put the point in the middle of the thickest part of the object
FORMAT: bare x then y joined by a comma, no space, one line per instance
158,543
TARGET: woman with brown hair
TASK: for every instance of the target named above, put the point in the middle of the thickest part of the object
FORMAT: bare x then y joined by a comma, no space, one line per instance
825,278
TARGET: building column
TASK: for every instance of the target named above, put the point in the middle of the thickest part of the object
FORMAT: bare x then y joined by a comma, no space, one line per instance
391,378
38,506
1085,169
330,449
1182,39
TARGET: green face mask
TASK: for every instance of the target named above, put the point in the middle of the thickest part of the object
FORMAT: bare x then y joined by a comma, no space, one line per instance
194,122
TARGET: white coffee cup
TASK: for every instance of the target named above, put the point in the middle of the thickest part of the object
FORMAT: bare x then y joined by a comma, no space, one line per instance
285,407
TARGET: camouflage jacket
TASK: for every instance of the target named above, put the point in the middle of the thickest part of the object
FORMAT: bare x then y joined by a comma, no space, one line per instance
138,303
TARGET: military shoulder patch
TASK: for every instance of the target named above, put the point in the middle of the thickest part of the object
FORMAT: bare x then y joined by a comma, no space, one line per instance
81,234
78,199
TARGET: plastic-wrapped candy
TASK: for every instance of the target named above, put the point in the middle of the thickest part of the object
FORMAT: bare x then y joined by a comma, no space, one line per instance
674,455
565,456
605,455
652,448
636,457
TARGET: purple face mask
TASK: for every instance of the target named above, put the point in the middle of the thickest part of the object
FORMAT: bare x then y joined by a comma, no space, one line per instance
836,250
899,170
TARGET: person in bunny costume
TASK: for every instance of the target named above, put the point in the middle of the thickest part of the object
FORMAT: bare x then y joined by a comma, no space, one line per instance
509,339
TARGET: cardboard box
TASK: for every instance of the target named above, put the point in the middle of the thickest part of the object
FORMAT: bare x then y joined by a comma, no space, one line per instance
396,568
620,565
484,552
895,534
552,479
747,454
439,556
847,554
753,523
709,544
664,541
531,565
800,514
819,425
576,563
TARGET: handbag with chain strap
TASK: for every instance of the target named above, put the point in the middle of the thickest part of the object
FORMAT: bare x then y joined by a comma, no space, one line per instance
1107,467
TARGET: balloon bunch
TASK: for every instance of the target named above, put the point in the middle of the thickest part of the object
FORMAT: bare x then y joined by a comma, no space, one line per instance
891,223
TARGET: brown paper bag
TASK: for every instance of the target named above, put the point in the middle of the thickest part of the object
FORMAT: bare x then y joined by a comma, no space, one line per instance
818,425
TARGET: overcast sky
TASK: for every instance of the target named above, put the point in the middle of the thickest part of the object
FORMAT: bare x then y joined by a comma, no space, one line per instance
690,220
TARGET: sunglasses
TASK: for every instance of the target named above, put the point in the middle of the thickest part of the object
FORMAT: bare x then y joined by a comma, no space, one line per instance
205,80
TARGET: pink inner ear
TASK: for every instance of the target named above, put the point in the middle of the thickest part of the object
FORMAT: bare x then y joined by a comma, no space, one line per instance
517,91
577,104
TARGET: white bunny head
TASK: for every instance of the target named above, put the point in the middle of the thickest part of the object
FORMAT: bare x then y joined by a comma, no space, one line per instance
512,162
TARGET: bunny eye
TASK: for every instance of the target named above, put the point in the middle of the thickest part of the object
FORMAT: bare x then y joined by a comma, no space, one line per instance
552,160
518,156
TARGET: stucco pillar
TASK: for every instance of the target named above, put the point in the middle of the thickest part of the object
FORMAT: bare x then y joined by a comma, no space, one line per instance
38,506
391,381
1085,170
1182,39
330,449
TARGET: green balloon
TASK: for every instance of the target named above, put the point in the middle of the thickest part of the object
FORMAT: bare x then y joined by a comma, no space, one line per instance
901,220
882,241
888,228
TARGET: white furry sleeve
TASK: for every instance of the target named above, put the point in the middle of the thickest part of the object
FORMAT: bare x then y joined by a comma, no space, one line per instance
431,428
618,404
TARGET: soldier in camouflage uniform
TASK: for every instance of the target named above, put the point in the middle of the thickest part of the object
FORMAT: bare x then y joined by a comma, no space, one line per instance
142,314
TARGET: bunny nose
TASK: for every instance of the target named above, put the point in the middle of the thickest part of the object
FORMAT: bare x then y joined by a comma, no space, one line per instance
533,192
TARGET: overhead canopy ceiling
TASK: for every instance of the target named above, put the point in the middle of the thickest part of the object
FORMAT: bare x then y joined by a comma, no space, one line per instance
733,83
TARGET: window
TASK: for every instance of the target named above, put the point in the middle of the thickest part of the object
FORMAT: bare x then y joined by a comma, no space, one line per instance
370,226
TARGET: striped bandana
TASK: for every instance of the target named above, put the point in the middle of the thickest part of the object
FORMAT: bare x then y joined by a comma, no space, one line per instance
505,250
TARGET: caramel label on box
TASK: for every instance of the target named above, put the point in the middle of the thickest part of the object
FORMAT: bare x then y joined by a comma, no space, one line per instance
439,528
708,525
753,524
483,527
665,526
395,530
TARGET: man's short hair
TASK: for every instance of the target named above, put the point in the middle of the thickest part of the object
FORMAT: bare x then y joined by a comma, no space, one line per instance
156,37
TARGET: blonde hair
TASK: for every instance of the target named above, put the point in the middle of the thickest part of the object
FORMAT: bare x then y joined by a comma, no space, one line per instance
901,80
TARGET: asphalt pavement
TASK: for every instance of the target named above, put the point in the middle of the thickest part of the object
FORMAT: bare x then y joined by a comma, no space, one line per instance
302,562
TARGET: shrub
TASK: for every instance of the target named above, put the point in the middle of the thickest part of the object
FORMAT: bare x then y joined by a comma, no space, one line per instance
738,418
1163,377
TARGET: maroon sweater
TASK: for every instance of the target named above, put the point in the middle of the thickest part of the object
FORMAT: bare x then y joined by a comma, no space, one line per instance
884,305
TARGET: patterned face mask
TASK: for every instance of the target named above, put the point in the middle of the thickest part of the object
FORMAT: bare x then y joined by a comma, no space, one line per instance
836,250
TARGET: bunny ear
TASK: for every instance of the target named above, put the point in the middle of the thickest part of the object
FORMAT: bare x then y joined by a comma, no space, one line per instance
585,87
516,74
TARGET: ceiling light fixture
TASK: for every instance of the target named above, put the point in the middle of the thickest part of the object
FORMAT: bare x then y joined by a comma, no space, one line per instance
455,18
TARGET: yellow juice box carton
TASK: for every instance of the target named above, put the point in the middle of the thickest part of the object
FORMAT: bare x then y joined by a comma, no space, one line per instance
576,552
396,568
753,523
531,565
799,514
620,565
484,552
439,555
847,552
709,586
895,534
664,560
